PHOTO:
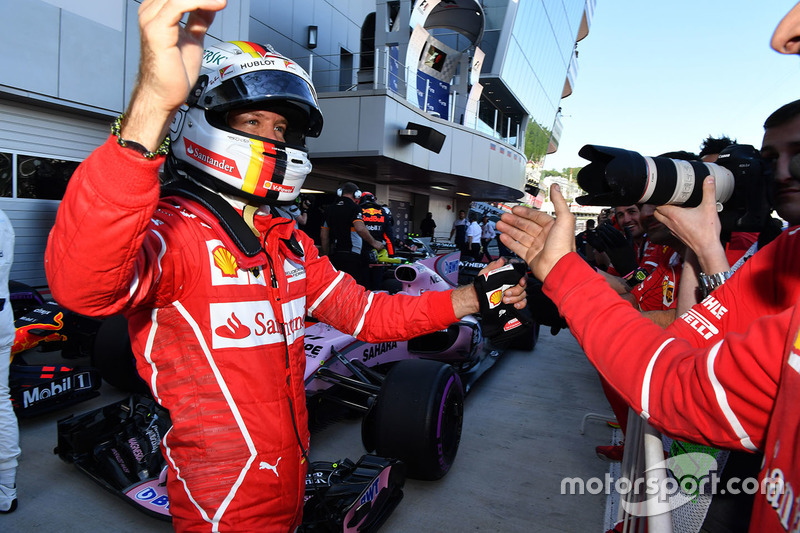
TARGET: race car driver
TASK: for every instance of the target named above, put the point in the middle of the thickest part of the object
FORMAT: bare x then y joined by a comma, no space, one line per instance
215,289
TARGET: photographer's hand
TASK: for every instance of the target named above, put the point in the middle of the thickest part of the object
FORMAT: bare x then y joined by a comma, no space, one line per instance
698,228
538,238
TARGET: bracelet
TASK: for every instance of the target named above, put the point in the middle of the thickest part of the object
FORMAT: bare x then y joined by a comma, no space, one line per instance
709,282
163,149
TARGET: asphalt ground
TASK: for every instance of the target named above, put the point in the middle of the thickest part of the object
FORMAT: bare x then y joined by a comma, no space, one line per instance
521,438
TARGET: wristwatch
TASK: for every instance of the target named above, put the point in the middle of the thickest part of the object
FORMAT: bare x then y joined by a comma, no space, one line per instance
709,282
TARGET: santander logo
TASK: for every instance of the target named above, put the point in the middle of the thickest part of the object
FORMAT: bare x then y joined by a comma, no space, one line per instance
233,329
211,159
250,324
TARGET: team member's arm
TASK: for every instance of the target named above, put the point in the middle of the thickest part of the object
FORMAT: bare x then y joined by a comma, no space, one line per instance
335,298
720,395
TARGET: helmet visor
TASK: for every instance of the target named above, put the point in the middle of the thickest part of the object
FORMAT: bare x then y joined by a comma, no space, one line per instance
264,87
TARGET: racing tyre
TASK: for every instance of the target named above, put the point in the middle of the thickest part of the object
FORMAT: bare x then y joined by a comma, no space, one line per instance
113,357
417,417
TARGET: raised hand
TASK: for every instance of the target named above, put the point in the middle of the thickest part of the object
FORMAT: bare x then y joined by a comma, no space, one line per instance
171,55
538,238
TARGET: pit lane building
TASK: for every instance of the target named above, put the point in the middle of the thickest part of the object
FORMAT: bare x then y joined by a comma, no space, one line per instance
428,103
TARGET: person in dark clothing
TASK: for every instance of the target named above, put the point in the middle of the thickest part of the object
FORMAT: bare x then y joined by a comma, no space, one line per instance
315,217
377,222
460,230
472,248
427,226
344,233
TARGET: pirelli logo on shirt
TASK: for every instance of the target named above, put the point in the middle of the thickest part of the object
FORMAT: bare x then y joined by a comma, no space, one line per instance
250,324
706,327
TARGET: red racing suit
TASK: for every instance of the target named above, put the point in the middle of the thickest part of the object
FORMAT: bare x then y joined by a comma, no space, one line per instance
733,382
217,335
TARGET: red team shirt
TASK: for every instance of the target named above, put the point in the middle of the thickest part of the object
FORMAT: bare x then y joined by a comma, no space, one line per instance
726,373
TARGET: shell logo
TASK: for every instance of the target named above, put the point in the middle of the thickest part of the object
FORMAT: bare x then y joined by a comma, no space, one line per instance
496,297
225,261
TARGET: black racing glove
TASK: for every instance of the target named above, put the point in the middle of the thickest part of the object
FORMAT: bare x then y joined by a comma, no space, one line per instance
501,323
619,247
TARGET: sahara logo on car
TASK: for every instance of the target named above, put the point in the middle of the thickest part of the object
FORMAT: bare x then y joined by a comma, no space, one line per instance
377,349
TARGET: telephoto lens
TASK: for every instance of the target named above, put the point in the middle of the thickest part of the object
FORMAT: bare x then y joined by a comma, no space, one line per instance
622,177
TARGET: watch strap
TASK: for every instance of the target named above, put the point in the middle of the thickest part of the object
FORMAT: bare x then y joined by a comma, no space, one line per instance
709,282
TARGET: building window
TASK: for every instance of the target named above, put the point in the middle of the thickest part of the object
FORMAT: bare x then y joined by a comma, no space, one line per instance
43,178
6,166
346,81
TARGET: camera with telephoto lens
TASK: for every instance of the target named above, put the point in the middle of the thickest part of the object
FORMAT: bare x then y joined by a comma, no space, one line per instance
616,176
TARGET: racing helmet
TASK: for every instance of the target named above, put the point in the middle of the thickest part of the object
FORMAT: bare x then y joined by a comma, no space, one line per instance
236,75
368,197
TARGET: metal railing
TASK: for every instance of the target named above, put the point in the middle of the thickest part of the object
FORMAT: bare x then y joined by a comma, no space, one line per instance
643,465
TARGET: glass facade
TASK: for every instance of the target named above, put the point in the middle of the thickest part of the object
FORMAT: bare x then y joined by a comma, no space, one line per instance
538,55
529,45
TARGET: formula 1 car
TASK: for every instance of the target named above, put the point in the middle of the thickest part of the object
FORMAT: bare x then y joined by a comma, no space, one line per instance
411,393
118,447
